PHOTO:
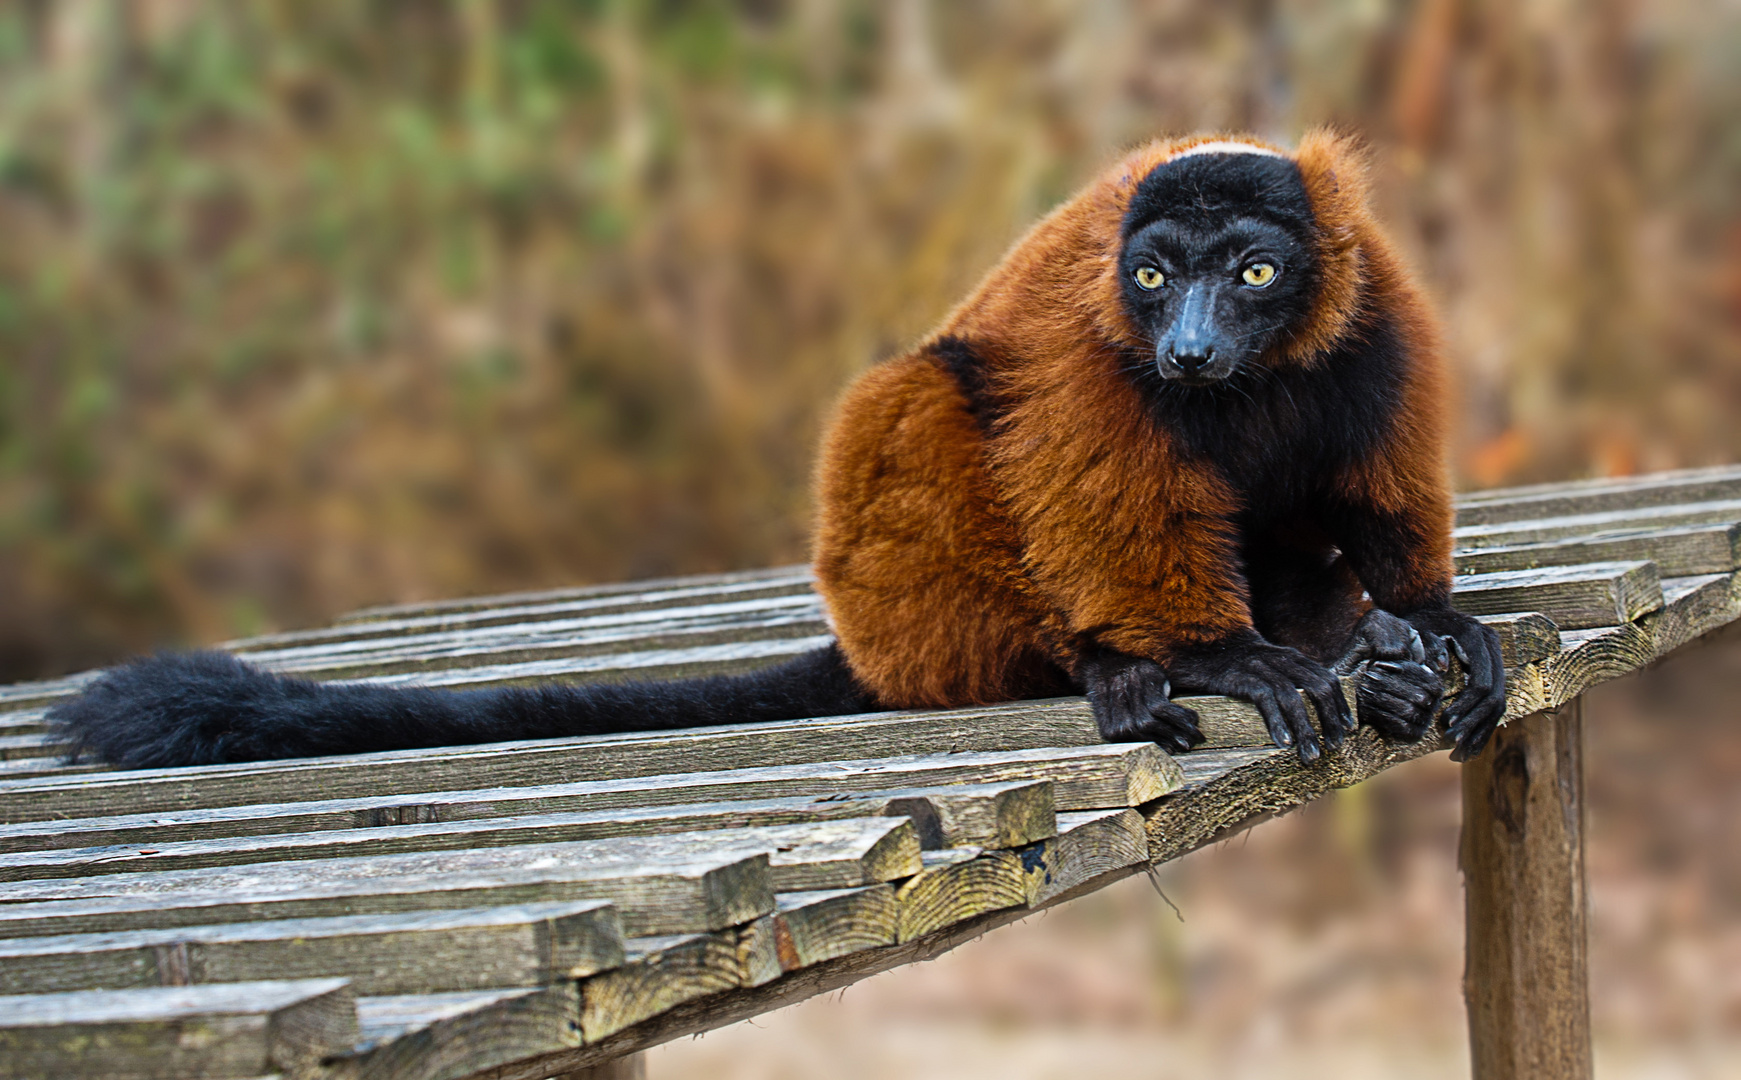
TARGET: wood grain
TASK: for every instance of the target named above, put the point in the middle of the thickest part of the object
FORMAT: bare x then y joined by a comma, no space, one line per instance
639,589
425,951
452,1035
959,884
987,815
659,973
1575,597
1538,530
656,882
825,925
1525,637
1527,978
1084,777
88,862
235,1030
1596,496
1090,844
1677,552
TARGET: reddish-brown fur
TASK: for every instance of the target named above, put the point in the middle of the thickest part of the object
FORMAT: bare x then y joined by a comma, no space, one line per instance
960,563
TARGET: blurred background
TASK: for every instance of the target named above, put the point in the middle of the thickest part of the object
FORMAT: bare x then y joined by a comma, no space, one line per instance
305,306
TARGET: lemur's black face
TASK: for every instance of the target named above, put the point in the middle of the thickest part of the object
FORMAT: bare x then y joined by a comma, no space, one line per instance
1218,261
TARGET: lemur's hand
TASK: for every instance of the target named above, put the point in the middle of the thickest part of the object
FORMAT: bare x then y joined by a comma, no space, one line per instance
1270,677
1477,709
1399,691
1129,697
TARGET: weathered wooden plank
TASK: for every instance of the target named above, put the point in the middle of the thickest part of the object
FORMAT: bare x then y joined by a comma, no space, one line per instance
627,772
1527,982
660,972
959,884
25,747
1575,597
231,1031
827,854
979,815
784,617
649,589
1535,531
1693,607
1524,637
1229,790
815,854
1090,844
24,722
42,693
987,815
1595,496
453,1035
531,620
1678,552
758,951
600,652
816,926
656,882
425,951
48,768
641,665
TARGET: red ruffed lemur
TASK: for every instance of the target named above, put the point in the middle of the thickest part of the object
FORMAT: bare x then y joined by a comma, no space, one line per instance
1187,436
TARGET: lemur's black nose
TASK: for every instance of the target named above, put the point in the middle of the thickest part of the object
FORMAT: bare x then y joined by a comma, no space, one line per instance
1191,361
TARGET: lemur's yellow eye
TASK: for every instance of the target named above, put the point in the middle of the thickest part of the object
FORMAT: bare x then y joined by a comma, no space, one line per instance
1148,277
1257,275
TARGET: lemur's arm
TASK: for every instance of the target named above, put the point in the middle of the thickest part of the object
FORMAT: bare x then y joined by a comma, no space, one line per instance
1393,523
1169,611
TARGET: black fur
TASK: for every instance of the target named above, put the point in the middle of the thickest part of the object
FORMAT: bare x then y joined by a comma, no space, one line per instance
1278,435
206,708
966,365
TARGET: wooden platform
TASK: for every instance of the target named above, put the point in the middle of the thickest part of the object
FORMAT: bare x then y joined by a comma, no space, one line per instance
531,909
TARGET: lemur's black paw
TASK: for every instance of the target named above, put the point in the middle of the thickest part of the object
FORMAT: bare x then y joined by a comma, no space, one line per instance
1398,689
1270,677
1478,708
1398,698
1129,697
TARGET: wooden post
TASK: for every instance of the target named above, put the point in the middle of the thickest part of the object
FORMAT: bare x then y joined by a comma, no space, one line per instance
1527,976
627,1067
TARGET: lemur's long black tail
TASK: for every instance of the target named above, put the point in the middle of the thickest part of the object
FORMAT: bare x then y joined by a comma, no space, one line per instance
207,707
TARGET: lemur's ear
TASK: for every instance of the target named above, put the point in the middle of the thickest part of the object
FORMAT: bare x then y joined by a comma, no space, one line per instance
1334,167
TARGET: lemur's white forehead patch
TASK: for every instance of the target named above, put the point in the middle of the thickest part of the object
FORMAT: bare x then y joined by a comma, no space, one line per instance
1225,147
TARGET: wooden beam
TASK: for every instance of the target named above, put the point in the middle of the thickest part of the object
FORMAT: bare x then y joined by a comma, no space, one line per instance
722,764
593,653
650,587
419,1036
1537,530
235,1030
983,815
786,616
1677,552
659,973
1595,496
422,951
817,926
665,884
1575,597
1527,977
1525,637
819,854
